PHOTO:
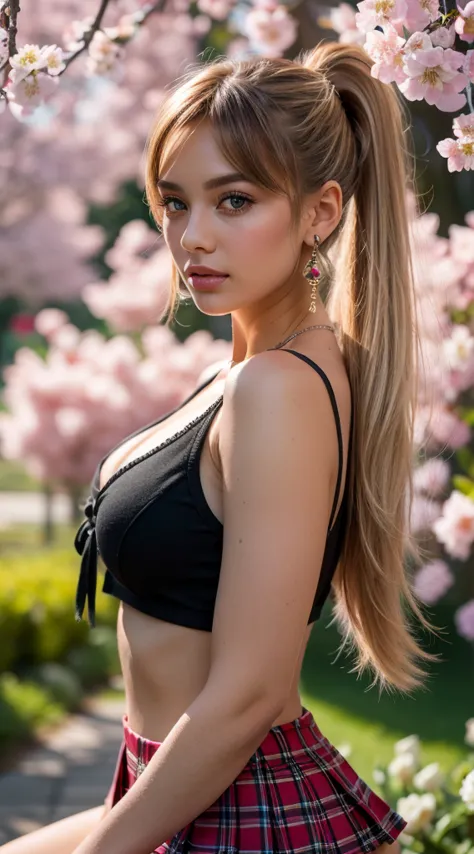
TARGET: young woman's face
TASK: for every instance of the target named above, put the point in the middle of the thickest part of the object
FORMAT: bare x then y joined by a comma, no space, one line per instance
229,225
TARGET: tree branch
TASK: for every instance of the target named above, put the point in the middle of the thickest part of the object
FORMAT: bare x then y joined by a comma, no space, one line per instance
8,19
89,34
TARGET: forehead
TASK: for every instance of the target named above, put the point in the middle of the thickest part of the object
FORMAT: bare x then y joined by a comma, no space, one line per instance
191,147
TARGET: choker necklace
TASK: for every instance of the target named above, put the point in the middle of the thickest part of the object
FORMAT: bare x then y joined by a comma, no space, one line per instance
294,334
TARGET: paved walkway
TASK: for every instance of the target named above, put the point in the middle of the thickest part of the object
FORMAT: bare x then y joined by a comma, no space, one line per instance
19,507
71,771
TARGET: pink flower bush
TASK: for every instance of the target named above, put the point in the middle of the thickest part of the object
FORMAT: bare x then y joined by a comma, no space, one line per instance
455,526
68,410
343,21
432,581
129,308
270,28
464,619
432,477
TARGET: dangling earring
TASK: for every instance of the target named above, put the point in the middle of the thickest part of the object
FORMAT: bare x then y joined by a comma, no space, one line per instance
312,273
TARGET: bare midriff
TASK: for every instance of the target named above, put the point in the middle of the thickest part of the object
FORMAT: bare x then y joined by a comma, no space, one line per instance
165,667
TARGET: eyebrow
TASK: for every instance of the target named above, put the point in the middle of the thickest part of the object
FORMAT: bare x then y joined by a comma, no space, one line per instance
208,185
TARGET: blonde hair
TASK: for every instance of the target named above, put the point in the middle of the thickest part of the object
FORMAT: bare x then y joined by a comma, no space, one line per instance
290,126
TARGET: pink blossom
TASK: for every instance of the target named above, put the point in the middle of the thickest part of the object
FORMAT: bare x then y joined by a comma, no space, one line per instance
464,619
432,581
73,35
468,66
103,54
464,23
386,49
432,476
217,9
424,512
49,320
270,31
29,58
455,527
464,125
53,60
343,21
378,13
433,76
447,429
449,148
443,37
25,94
458,349
420,13
459,151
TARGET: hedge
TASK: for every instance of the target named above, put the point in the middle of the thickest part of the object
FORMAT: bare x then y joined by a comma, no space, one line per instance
47,659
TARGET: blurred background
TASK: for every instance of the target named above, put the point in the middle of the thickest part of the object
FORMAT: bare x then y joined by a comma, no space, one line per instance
84,362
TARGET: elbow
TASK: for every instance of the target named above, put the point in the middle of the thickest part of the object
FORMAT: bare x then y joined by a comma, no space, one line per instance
253,710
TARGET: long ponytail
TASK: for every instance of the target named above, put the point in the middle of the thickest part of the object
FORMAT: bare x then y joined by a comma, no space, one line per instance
372,300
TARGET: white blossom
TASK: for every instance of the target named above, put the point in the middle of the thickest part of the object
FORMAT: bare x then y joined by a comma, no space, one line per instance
429,778
470,732
403,767
417,810
410,744
467,790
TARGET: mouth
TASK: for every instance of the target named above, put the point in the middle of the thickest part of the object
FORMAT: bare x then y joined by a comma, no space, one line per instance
206,281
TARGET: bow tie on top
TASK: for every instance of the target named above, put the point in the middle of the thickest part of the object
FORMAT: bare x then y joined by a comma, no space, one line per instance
85,543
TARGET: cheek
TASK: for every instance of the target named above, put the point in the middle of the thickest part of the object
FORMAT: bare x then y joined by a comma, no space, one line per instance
268,251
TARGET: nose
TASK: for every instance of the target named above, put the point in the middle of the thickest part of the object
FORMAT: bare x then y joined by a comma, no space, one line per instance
197,234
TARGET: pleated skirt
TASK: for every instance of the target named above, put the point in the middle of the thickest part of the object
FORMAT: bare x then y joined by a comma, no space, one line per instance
296,795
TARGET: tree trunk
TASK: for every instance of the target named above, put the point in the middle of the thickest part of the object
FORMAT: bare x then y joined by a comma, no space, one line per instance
48,525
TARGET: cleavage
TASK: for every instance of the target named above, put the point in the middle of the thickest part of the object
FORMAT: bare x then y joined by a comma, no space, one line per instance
134,448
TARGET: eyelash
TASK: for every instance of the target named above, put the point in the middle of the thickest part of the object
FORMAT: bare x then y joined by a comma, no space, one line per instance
230,195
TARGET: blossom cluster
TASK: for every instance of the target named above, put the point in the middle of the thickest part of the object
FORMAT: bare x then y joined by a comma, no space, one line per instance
69,409
413,44
443,505
437,805
27,87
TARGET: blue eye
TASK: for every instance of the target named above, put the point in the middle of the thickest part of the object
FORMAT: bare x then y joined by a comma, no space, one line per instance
232,196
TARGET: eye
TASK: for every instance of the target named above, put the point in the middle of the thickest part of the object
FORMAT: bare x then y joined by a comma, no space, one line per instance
241,199
167,200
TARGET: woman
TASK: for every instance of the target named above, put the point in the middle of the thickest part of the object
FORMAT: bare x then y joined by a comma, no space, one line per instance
225,526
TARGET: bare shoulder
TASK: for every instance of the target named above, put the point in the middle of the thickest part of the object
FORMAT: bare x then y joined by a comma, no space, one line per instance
276,397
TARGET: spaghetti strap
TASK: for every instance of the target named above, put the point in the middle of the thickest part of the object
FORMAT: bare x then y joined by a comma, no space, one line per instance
335,409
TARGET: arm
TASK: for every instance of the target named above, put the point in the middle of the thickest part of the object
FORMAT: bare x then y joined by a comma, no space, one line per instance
279,457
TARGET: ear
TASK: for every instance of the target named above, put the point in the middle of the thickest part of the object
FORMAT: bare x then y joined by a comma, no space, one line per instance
323,211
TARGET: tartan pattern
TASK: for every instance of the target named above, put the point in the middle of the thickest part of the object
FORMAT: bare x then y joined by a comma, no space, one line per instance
296,795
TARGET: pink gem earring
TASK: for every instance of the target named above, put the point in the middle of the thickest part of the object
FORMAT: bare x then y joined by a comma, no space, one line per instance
312,273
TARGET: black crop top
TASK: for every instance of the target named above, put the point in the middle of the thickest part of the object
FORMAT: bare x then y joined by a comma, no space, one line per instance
159,539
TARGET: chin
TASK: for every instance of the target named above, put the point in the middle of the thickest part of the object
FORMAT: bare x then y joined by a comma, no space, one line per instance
212,305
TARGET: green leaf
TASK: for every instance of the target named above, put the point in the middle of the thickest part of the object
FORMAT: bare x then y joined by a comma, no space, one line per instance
448,821
464,484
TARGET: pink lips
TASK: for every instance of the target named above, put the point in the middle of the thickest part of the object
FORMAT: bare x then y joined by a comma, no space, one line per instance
206,282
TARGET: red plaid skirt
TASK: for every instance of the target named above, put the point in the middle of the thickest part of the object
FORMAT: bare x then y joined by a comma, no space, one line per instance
296,795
